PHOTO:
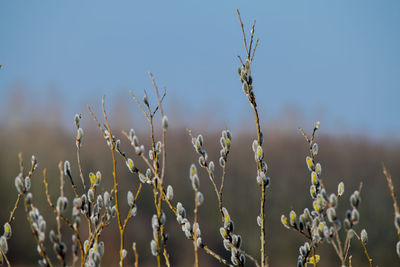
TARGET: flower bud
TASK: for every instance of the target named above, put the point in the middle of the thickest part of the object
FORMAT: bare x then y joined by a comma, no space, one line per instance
315,149
309,163
165,122
284,221
397,221
340,189
200,198
364,236
170,193
7,230
130,199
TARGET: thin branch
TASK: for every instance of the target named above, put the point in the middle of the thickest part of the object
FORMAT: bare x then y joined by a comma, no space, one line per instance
114,164
244,35
136,254
4,256
140,105
365,249
392,193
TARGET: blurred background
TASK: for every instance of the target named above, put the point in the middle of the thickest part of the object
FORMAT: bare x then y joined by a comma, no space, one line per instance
332,61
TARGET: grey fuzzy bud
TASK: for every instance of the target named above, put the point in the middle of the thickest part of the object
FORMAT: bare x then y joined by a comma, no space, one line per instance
188,234
199,198
124,253
153,247
199,242
90,195
151,154
354,201
254,145
107,199
155,224
315,149
163,218
100,201
158,146
134,210
346,224
200,139
135,141
222,162
28,198
27,183
202,161
223,143
62,203
398,249
67,168
227,244
42,225
364,236
113,211
331,212
145,99
148,173
19,185
397,222
333,200
53,237
211,166
170,193
34,162
130,199
165,122
79,134
179,208
259,221
77,120
355,216
195,182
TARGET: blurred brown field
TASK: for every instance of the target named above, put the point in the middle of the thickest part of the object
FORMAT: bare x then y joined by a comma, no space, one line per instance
354,158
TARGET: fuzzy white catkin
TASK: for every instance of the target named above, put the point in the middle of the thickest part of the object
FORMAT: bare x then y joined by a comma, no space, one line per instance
364,236
170,193
165,122
130,198
200,198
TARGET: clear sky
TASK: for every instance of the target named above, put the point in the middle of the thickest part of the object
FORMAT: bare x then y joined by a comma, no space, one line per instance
336,61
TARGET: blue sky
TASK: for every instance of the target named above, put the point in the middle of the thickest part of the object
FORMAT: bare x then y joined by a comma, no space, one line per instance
335,61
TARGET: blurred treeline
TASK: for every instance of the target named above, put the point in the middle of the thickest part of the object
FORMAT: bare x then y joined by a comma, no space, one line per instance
349,158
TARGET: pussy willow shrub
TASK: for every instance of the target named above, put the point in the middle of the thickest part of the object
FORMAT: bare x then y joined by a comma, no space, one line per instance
90,210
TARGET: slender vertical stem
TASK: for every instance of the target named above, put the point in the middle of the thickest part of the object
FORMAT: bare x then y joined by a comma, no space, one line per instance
5,257
196,204
136,255
78,153
365,249
263,193
121,230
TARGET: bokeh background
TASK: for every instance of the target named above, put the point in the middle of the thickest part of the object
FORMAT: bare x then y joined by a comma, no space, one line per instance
332,61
